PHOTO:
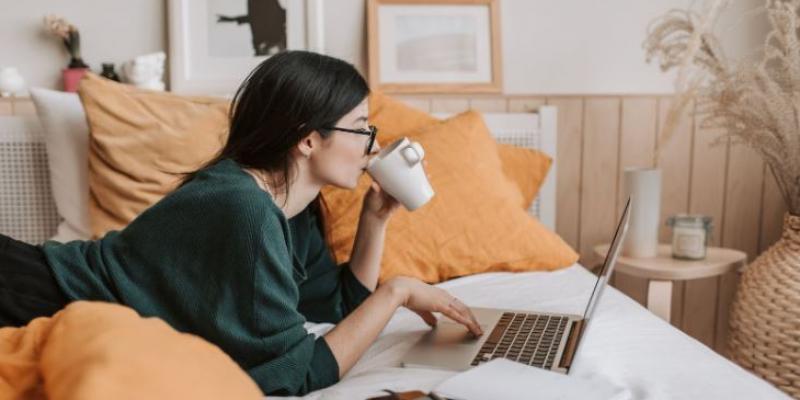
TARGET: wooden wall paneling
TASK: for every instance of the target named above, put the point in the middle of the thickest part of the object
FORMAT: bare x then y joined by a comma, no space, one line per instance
449,104
742,215
674,159
22,106
489,104
637,140
726,290
420,103
706,196
636,149
598,174
568,161
707,191
676,315
773,209
634,287
741,224
700,309
526,104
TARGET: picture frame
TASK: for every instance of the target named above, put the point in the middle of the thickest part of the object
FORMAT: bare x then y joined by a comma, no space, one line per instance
209,57
434,46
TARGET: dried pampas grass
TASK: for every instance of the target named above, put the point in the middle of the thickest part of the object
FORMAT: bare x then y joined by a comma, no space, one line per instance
757,104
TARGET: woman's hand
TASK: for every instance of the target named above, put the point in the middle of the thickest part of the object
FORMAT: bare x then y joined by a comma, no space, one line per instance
425,299
378,204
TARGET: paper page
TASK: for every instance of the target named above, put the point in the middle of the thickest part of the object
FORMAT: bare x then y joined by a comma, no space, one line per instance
509,380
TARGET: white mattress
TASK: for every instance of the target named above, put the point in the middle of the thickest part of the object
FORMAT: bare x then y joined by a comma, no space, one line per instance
626,346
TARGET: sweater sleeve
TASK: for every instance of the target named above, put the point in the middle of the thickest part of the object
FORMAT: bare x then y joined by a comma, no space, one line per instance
294,362
331,291
353,291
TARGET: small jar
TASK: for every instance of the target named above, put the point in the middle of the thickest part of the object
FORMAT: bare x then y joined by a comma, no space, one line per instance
109,73
690,235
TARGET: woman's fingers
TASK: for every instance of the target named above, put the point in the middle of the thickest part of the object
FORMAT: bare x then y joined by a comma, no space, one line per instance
428,317
453,314
466,314
463,317
454,309
465,310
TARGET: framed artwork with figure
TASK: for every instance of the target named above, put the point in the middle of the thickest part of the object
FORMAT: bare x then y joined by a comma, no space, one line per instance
434,46
214,44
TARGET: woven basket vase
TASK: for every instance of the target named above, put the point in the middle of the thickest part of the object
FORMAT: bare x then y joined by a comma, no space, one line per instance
765,315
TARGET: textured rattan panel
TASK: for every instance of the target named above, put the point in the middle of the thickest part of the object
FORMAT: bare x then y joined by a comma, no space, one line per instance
27,210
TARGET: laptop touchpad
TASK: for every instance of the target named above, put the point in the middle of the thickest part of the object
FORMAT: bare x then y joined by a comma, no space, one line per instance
452,333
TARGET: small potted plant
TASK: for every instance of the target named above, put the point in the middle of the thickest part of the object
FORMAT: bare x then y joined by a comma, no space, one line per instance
71,38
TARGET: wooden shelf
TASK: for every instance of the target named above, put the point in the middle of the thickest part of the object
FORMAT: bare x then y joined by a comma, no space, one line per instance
17,106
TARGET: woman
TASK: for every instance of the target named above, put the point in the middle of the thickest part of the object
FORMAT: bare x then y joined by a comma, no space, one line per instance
236,254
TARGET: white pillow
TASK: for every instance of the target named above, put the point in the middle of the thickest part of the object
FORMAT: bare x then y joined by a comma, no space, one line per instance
66,138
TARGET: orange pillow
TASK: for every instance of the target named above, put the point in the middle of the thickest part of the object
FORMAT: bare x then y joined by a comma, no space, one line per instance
140,142
473,224
527,168
93,350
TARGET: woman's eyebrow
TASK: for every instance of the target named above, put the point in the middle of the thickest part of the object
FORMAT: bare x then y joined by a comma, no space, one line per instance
362,118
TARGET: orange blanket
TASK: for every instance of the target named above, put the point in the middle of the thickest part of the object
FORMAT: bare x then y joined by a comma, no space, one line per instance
95,350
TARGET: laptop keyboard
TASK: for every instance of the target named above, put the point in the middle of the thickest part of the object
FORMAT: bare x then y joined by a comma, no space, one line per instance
530,339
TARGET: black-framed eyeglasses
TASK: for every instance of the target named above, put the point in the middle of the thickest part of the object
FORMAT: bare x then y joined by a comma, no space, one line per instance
371,131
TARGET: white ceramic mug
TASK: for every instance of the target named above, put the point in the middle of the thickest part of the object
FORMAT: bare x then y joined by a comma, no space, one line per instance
398,169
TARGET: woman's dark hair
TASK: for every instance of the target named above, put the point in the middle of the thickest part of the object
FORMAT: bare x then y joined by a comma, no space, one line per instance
283,100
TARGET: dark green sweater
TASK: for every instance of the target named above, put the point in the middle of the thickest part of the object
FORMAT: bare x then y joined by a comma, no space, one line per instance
217,258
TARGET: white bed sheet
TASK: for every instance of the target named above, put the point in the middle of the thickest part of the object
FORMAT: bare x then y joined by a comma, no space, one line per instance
626,346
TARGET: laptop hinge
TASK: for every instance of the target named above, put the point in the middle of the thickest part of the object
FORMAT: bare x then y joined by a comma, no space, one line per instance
572,344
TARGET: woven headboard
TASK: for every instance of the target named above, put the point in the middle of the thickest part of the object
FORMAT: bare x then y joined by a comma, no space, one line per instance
534,131
27,209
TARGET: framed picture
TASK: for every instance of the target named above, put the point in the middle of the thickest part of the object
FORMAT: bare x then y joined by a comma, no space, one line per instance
214,44
430,46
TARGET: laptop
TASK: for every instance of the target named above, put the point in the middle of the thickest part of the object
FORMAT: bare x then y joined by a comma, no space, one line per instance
544,340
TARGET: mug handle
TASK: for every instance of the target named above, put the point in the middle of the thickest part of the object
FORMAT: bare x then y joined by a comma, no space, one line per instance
413,153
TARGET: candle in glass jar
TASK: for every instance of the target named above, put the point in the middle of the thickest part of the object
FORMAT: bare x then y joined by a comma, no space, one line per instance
690,234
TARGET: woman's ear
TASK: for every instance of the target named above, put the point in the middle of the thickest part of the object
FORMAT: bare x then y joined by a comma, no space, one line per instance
309,144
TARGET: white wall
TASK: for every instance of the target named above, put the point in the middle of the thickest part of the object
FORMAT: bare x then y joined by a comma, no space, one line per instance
549,46
580,46
111,31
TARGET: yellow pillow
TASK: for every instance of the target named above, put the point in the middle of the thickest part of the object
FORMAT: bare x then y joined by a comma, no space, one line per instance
527,168
139,143
473,224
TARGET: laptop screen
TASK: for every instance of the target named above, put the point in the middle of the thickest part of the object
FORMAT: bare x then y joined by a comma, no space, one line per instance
608,264
602,278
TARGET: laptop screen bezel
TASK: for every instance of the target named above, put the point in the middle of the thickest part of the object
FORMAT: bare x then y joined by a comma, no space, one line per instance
602,278
608,263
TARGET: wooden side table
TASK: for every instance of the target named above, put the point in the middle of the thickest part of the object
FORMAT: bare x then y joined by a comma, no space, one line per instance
661,271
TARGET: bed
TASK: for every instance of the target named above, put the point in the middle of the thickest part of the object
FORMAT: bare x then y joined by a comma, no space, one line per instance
626,346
